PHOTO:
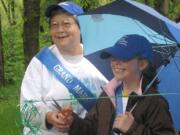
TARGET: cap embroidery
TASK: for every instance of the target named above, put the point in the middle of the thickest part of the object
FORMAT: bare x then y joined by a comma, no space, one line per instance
123,41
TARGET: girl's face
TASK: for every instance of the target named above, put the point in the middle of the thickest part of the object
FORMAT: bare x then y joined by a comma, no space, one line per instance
126,70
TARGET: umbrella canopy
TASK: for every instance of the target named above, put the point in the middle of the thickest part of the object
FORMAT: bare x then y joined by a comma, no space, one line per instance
102,27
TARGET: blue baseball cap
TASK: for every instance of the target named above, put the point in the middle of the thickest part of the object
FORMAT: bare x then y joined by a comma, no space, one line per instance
128,47
68,6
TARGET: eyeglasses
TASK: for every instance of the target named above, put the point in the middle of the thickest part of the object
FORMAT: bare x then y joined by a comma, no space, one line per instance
66,24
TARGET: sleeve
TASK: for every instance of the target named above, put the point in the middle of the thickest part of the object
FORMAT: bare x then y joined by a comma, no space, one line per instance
157,120
33,111
85,126
97,122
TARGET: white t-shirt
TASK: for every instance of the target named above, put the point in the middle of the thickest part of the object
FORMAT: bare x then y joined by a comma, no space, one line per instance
40,86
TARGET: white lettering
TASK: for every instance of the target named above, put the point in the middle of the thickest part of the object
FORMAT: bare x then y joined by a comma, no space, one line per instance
67,77
80,91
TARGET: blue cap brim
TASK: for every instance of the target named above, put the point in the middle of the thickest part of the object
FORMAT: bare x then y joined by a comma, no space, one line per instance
116,53
105,55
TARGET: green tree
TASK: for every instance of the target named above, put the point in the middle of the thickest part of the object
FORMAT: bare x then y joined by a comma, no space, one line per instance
1,57
88,5
169,8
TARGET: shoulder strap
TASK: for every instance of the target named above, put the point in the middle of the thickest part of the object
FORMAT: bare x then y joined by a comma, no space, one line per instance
119,104
75,86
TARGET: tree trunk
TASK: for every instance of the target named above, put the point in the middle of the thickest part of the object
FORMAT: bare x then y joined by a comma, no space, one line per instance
177,19
165,7
60,1
146,2
2,80
31,29
162,6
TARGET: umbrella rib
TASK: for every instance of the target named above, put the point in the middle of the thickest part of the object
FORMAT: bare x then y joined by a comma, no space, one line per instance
162,39
176,65
154,35
164,32
144,31
160,52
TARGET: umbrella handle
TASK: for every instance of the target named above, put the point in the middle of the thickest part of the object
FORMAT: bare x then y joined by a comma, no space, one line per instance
116,130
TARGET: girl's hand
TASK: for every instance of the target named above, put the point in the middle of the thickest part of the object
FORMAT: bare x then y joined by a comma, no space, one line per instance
124,121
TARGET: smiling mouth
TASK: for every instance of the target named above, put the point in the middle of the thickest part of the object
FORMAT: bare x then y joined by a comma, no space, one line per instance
122,69
119,69
61,37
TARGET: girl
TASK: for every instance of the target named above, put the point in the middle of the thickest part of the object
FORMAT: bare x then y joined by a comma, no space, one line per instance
134,114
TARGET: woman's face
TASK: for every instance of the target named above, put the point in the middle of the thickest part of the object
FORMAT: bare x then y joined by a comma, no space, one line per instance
126,70
64,31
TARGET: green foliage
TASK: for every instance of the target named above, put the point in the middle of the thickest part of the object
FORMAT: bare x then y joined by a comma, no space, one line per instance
87,5
10,123
174,9
12,41
44,37
13,52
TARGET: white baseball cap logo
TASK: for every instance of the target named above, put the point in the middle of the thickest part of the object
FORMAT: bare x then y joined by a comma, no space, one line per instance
123,41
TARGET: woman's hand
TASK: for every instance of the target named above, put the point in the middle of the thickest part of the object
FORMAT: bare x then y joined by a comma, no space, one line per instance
124,121
59,120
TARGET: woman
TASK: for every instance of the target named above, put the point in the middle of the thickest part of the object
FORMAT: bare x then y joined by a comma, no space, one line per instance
59,72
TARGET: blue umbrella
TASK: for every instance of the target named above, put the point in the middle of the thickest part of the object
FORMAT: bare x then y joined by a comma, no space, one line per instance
102,27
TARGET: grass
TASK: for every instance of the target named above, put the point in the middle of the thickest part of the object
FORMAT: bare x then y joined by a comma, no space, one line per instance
10,122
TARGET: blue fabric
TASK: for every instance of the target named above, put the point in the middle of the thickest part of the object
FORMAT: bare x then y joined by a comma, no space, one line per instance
170,83
119,104
173,27
102,27
74,86
68,6
128,47
141,13
174,31
102,31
